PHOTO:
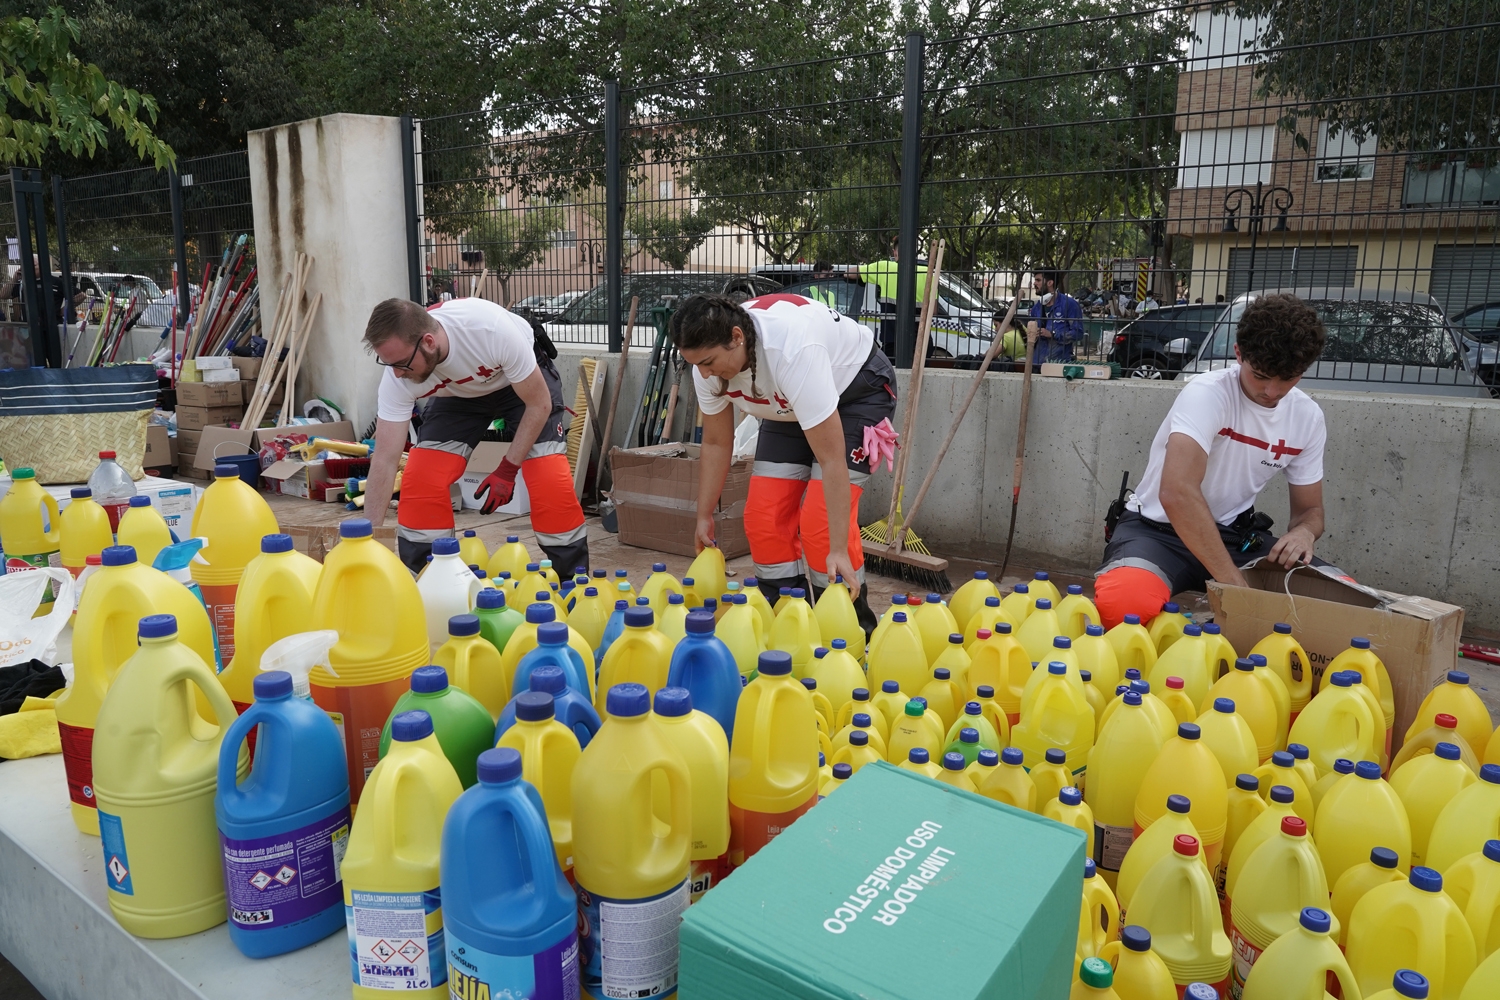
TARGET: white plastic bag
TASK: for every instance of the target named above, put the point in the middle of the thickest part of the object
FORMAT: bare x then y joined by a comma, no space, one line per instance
23,637
746,436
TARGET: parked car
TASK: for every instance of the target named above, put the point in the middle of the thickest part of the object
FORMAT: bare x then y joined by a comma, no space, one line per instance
1480,322
1158,344
1379,340
963,324
584,321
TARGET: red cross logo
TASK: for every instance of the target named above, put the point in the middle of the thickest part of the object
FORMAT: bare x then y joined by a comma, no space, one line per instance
484,371
1280,448
1277,450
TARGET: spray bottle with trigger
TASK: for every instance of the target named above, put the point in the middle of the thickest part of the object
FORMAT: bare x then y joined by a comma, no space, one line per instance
175,561
297,654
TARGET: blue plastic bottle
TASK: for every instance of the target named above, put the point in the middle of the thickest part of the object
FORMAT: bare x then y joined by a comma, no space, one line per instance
552,650
571,709
284,828
705,666
510,919
612,630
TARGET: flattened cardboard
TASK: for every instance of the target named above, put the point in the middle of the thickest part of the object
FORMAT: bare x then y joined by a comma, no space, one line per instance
206,394
656,497
161,452
1415,637
292,478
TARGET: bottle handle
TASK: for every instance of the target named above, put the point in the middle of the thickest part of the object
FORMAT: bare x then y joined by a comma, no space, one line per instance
204,680
538,838
54,517
229,748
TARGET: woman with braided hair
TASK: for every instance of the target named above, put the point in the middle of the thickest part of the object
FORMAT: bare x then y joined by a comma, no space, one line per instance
816,379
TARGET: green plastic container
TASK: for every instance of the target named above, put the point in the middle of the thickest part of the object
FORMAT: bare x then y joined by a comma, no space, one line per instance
497,619
462,724
896,887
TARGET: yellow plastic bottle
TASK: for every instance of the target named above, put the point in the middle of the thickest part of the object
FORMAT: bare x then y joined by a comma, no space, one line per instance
822,707
1341,767
861,721
1099,918
1456,698
987,617
708,574
944,695
858,751
990,708
1360,657
1372,700
472,549
1444,729
837,776
796,632
1279,880
1253,702
1469,819
1097,656
1041,586
1017,604
156,765
1187,767
1286,657
1245,806
974,717
143,528
1425,785
1176,900
1155,707
511,558
860,703
30,527
524,639
1360,812
549,753
1140,974
640,655
1188,658
1221,654
1229,737
1061,652
773,775
117,597
897,654
1281,769
1300,963
1059,718
390,868
743,632
1038,630
756,599
589,616
532,582
1152,846
910,730
1000,661
1069,809
956,660
1050,776
986,761
1118,764
705,749
658,585
1076,613
1096,700
1134,648
1358,880
1473,883
954,771
1167,627
968,599
918,760
1484,984
890,701
1411,925
1260,829
274,601
1273,683
1174,697
934,622
1338,723
672,622
1009,782
838,675
234,518
474,666
837,619
83,530
369,598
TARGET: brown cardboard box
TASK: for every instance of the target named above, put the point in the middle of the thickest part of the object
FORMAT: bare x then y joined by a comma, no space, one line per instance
656,495
292,478
1416,638
195,418
234,441
249,368
206,394
187,442
161,450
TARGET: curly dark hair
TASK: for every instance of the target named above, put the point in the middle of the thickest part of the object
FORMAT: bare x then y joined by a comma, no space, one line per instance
1280,336
709,321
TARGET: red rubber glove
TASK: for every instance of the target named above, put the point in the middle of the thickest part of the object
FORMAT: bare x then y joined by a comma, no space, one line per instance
500,485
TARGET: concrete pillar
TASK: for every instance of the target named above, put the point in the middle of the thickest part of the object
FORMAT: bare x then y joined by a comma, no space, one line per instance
331,187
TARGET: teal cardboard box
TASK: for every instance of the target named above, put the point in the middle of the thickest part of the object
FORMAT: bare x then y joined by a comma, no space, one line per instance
896,887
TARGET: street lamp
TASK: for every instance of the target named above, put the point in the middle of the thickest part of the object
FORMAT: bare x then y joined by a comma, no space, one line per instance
1276,199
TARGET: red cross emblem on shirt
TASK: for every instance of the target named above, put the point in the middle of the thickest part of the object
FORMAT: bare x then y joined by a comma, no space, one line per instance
1277,450
484,372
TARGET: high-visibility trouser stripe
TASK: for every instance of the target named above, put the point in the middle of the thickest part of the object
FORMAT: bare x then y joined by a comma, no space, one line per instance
782,470
856,478
463,450
425,506
460,448
422,534
778,571
542,448
1135,562
559,539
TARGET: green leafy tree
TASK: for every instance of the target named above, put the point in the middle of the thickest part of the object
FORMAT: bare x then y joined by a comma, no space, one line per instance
511,240
667,234
52,97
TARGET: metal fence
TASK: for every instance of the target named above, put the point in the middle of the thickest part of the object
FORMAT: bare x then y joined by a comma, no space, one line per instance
1165,161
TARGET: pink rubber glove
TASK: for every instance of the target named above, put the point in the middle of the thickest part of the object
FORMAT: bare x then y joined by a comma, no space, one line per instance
880,445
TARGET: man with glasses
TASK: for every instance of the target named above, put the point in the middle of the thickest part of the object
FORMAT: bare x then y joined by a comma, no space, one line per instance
1227,435
466,362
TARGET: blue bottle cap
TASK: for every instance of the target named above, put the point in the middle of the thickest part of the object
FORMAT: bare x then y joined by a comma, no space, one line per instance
1142,688
1135,937
842,771
541,612
273,685
640,602
954,761
590,591
980,574
1298,751
462,625
1043,604
499,766
1191,629
1021,588
861,720
601,574
1282,794
700,622
445,546
1492,850
1408,983
1211,628
1179,803
917,755
1200,991
985,691
408,727
774,663
620,574
1056,756
1426,879
658,567
639,617
552,634
785,592
1002,628
512,538
859,738
1457,677
1132,674
1087,676
890,687
973,708
942,674
1040,574
1281,628
1355,677
1075,589
1384,857
429,680
1171,608
1343,765
1244,663
811,683
622,605
1247,782
549,679
1093,630
1283,759
750,581
674,599
955,638
1490,773
1359,642
673,702
992,601
270,543
988,758
1189,731
1225,706
157,626
1447,751
898,598
226,471
798,594
1012,756
840,644
1132,697
1258,660
1367,769
117,555
140,500
1315,920
1070,796
1133,620
1061,642
485,576
534,706
968,734
934,598
628,700
861,694
1057,668
489,599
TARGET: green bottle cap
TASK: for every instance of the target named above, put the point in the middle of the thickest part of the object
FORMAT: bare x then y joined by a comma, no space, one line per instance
23,473
915,708
1096,972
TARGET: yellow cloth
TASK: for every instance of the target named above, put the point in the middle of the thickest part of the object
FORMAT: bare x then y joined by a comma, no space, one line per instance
32,731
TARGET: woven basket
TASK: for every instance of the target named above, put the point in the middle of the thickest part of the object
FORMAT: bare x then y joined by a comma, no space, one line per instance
58,420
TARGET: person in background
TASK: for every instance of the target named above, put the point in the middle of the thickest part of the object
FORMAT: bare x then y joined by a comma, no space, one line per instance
1056,319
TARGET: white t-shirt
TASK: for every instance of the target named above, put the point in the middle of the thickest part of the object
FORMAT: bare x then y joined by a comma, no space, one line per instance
806,355
489,347
1247,444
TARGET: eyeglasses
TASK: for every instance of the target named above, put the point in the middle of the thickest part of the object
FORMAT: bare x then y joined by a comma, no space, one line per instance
404,365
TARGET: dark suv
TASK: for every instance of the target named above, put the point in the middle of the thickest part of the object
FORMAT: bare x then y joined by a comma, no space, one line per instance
1160,342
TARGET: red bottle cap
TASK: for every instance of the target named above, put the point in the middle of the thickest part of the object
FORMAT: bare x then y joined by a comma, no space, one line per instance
106,454
1294,825
1446,721
982,634
1175,683
1185,843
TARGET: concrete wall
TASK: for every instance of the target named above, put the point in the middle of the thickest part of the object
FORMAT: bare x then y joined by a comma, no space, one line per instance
332,188
1412,484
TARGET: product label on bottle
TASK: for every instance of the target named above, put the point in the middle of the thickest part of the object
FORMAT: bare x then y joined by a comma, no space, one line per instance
1245,957
277,881
750,831
629,946
704,875
20,564
219,600
1110,845
78,763
116,860
396,940
360,713
548,975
